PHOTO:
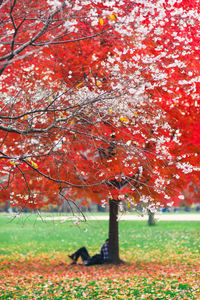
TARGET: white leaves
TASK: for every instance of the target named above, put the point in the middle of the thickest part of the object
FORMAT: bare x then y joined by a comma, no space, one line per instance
186,167
54,3
170,204
70,25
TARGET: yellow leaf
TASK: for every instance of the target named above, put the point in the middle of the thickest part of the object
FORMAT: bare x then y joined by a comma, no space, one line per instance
122,119
50,99
12,163
112,17
61,115
98,83
101,21
135,112
128,205
25,117
79,84
34,165
110,111
72,122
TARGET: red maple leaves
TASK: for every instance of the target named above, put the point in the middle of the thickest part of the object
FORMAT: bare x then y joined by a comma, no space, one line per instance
98,100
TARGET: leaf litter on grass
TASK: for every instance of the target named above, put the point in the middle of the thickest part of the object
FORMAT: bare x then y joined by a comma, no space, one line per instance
47,276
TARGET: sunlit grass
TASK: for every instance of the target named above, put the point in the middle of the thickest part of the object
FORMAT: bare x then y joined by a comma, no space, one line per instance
28,233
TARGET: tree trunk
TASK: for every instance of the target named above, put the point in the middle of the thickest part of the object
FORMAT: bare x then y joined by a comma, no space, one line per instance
151,220
113,232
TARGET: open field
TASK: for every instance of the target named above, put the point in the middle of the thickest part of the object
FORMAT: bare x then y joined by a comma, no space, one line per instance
131,217
162,262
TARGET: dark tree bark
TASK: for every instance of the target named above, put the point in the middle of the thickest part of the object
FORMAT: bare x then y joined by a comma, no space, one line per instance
151,219
113,232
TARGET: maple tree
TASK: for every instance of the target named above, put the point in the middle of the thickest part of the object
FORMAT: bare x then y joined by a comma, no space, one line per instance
95,96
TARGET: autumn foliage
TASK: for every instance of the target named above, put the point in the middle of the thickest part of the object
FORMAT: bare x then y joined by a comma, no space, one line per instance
99,100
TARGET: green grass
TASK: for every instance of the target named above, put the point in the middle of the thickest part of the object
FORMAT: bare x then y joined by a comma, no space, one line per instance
163,261
28,234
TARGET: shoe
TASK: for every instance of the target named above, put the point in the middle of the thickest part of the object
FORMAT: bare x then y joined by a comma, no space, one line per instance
71,256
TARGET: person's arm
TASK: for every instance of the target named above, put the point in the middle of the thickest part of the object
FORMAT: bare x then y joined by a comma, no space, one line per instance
104,251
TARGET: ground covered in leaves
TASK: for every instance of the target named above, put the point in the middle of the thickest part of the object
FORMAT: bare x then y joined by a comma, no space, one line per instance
45,277
171,271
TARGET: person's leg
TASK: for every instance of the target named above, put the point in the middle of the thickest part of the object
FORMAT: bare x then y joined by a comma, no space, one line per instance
82,252
96,259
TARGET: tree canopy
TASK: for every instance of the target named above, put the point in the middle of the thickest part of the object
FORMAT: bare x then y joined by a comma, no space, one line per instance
99,100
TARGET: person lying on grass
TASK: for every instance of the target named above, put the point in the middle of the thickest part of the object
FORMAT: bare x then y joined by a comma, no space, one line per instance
91,260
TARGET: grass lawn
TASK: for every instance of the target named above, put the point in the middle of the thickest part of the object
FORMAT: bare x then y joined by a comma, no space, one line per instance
162,261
